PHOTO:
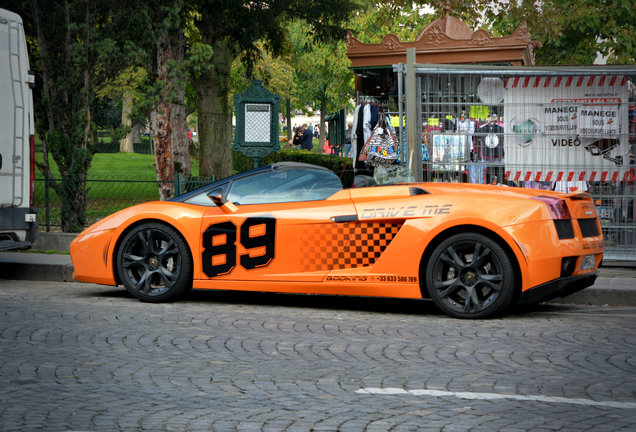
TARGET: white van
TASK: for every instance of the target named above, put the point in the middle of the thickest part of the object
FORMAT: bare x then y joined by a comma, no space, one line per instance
18,222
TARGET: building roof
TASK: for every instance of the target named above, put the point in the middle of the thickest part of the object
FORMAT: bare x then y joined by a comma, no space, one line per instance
446,40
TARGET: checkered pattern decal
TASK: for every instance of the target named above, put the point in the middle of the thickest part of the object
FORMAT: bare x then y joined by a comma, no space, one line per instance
345,245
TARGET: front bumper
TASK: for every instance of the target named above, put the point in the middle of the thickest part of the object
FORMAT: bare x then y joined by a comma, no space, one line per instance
557,288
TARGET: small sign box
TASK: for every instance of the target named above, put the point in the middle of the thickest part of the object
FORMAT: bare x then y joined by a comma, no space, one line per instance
257,122
256,133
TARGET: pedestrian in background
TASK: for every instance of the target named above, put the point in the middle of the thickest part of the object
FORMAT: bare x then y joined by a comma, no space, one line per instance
308,138
297,141
347,146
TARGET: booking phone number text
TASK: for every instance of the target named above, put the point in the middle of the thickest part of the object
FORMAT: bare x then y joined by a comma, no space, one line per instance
391,278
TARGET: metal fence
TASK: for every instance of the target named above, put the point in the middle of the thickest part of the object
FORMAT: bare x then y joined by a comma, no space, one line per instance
102,197
549,128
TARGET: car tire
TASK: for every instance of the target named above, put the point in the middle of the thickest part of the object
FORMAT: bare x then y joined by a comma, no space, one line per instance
469,275
154,263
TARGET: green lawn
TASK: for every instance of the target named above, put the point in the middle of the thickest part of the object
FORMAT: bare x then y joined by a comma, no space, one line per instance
115,181
118,165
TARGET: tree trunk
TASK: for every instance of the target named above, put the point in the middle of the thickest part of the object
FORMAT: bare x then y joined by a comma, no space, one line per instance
215,116
161,125
136,134
72,192
323,134
180,142
172,152
162,133
288,117
126,144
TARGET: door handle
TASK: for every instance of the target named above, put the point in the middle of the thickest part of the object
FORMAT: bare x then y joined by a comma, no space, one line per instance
344,218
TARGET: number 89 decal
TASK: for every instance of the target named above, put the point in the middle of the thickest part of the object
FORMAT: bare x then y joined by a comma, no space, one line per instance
228,229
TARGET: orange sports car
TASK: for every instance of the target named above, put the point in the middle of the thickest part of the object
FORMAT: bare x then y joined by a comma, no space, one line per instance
475,250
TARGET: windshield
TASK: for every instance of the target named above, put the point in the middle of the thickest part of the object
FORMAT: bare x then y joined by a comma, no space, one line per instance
284,185
275,185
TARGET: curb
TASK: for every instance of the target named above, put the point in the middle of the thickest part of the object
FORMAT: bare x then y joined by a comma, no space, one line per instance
53,241
36,267
614,287
600,297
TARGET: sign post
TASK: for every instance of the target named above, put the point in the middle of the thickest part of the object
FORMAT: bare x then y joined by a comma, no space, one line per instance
256,111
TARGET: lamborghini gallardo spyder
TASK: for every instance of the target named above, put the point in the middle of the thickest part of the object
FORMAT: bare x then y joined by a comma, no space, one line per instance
474,250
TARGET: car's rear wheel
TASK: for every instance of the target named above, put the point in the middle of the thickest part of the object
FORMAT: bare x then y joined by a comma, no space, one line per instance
469,275
153,263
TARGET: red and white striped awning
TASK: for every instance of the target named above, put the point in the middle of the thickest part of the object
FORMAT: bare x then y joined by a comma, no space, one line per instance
565,81
601,176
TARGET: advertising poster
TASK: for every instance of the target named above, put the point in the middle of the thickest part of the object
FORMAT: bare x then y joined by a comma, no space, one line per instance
449,152
564,128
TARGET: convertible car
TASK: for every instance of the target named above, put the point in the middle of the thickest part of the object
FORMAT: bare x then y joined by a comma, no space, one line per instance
474,250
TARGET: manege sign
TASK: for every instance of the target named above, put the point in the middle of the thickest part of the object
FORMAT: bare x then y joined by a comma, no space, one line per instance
577,121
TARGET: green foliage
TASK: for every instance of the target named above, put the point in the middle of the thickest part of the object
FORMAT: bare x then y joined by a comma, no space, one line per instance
107,114
571,32
275,73
321,69
339,165
199,59
77,48
405,19
147,89
246,22
245,28
586,27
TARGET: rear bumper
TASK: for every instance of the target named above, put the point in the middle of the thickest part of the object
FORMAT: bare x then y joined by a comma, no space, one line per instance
15,225
557,288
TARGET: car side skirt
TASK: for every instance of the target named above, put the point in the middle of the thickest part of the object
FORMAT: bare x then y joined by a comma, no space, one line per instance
368,289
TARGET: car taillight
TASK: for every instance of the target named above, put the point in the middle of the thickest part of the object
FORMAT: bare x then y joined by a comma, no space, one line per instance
32,174
558,207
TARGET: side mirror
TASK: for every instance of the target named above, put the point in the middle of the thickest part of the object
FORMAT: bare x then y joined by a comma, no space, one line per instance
216,195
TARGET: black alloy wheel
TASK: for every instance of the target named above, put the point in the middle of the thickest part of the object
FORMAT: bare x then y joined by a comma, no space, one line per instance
153,263
470,276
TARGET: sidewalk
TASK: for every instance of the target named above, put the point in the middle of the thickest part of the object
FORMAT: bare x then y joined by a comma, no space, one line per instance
615,286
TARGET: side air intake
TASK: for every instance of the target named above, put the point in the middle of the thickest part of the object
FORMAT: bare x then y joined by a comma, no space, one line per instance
417,191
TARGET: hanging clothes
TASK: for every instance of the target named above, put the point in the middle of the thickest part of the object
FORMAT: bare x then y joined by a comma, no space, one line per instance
354,134
366,122
359,130
375,114
491,145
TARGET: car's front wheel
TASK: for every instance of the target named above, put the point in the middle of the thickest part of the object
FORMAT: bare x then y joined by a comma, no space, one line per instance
469,275
153,263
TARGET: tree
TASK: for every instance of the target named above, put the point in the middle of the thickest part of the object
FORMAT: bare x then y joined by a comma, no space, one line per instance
570,32
168,118
405,19
573,32
275,72
123,89
321,72
161,96
233,28
79,45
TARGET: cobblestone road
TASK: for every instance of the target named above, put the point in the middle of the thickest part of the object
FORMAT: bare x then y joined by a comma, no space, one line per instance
84,357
